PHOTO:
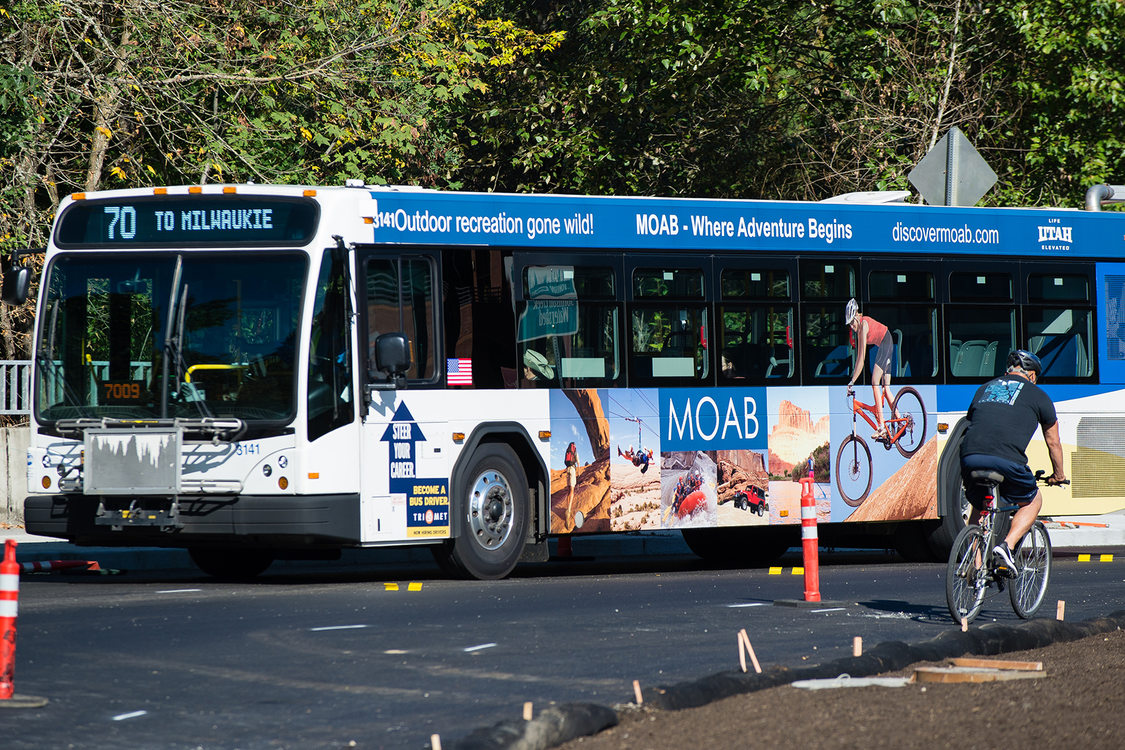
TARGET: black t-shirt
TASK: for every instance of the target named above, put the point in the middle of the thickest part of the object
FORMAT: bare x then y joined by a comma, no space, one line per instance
1003,417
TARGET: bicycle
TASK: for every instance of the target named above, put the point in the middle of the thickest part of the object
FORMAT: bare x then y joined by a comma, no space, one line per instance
906,429
971,569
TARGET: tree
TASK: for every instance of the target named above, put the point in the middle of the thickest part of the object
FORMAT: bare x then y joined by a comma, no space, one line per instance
141,92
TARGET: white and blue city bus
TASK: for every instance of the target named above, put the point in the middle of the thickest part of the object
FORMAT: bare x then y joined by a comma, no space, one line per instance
256,372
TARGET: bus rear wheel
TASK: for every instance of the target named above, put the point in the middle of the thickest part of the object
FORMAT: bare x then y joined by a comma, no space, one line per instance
732,545
495,512
231,563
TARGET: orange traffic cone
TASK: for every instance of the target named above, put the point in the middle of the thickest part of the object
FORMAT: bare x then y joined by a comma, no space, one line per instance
9,606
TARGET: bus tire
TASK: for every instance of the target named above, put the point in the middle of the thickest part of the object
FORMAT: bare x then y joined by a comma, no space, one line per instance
231,563
731,545
495,512
953,508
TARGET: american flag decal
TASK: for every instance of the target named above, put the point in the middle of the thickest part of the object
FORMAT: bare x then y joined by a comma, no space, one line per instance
459,371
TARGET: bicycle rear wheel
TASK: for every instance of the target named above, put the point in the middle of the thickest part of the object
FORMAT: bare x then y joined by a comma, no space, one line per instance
965,575
908,406
1033,561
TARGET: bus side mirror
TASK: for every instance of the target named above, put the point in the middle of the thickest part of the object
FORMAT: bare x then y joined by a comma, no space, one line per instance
392,357
17,282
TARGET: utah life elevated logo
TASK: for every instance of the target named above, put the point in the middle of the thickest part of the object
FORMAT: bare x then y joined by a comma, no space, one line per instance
427,500
1055,237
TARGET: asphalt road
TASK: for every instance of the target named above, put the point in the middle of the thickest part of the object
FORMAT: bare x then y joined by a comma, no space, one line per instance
322,656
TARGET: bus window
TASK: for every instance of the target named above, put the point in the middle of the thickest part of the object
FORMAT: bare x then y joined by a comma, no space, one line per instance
400,299
669,327
981,331
568,327
826,349
904,301
1062,339
330,371
755,337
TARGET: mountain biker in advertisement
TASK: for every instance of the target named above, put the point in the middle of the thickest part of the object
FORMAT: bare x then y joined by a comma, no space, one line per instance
867,330
1003,417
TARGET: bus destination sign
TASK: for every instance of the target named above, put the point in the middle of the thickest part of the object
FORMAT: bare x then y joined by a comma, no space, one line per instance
193,220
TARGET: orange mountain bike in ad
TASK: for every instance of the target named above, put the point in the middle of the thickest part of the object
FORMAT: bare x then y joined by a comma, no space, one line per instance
906,429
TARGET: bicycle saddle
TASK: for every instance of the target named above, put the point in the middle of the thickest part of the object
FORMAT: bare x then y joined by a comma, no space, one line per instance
987,476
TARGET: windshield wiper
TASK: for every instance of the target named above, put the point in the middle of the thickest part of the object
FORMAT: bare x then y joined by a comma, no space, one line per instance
174,347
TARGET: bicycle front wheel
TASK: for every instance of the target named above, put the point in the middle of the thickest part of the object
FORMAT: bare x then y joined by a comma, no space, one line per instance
853,470
908,406
965,575
1033,566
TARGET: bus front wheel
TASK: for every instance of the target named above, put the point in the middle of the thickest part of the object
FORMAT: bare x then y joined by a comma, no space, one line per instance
495,513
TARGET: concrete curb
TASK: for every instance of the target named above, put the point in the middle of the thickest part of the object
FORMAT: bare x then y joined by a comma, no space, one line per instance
991,639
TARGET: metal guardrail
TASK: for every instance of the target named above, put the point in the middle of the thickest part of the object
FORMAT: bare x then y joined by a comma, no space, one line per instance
15,382
15,386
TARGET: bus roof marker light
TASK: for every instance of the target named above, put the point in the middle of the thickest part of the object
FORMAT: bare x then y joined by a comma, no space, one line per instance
195,190
314,475
310,193
160,191
544,434
78,196
229,190
458,437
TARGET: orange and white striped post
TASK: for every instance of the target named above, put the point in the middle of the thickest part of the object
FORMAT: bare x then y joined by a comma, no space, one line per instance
9,601
809,540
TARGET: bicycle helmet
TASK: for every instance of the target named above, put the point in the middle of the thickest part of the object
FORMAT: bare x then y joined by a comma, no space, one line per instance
1026,361
850,311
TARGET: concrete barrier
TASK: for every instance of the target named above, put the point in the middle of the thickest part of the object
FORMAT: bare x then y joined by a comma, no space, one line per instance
13,447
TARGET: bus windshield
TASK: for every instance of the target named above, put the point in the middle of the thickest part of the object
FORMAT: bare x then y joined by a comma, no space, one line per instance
143,336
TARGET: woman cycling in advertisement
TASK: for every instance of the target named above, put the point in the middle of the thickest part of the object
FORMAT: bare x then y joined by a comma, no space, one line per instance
868,330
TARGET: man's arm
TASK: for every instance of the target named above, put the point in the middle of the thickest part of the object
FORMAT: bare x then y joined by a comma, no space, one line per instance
1054,450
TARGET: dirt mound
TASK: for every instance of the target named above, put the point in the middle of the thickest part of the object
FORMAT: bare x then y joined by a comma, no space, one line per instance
1077,704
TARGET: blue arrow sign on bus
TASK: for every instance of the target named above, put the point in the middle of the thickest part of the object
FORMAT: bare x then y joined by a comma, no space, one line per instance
402,434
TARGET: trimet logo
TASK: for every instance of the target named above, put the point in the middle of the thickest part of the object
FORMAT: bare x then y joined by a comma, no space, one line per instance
1055,233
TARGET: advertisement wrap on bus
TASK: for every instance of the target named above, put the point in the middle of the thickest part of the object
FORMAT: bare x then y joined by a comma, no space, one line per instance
255,372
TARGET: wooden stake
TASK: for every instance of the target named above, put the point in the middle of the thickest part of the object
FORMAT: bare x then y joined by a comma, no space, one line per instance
637,692
857,646
745,640
1060,610
968,661
435,742
741,653
527,711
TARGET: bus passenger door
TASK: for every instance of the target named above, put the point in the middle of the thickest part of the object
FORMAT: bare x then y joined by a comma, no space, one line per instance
405,474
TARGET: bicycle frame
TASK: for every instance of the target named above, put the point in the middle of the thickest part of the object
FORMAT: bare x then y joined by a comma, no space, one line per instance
971,569
862,409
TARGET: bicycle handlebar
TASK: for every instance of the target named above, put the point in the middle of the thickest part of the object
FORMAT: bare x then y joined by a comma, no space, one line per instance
1047,480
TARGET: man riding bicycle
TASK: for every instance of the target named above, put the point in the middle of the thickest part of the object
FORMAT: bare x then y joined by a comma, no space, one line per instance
1002,418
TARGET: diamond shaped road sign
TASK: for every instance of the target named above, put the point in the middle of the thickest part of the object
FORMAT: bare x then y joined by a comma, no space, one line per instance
953,173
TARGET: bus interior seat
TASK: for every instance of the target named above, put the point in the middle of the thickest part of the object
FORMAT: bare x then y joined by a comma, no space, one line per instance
1062,355
837,363
967,358
988,361
780,362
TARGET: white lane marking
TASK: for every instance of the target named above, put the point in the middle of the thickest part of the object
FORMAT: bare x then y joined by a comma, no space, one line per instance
131,715
480,647
747,604
830,609
337,627
179,591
